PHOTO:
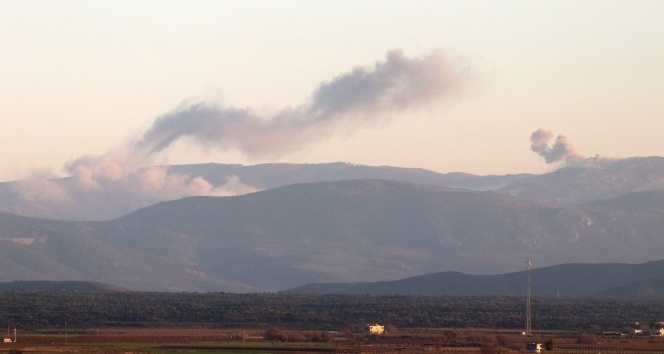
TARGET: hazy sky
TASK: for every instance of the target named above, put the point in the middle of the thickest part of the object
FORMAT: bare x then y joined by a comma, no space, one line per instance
80,78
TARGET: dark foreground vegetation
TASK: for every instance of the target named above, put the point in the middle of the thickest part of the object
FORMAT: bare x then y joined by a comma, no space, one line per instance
55,309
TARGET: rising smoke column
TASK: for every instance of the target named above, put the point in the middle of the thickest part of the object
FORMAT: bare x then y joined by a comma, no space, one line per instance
351,100
126,176
561,150
358,98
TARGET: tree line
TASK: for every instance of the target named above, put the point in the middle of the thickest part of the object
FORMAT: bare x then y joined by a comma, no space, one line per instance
54,309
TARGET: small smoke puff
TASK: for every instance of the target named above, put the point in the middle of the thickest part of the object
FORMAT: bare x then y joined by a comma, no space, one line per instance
540,140
158,182
117,164
233,186
561,150
84,177
39,197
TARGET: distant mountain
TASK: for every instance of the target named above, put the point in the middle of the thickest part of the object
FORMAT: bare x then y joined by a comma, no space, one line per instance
649,289
630,281
84,286
272,175
63,199
346,231
591,180
39,249
580,183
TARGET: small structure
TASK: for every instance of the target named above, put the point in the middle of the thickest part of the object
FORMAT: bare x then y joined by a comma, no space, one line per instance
613,334
657,328
375,329
533,347
8,339
657,331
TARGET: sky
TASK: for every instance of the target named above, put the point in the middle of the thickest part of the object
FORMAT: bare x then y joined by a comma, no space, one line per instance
482,87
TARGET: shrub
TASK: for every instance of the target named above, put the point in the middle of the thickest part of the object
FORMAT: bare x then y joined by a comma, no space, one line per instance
276,334
585,338
451,334
390,328
326,336
549,345
491,349
503,339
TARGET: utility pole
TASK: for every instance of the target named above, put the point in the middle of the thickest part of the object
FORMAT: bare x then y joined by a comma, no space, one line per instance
528,314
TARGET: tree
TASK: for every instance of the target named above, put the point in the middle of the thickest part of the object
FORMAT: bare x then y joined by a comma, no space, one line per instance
503,339
276,334
326,336
585,338
549,345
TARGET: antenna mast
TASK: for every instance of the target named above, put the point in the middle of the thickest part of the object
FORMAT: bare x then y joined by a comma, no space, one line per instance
528,329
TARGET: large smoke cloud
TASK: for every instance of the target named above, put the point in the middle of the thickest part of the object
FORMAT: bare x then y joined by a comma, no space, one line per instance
351,100
356,99
561,150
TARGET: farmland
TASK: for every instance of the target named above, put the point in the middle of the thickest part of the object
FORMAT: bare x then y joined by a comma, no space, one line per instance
411,340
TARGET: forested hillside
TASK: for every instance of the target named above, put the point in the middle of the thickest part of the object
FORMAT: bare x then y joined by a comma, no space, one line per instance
314,312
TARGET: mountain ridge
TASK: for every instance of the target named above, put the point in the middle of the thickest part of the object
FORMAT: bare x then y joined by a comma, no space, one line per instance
590,180
63,285
62,198
354,230
614,280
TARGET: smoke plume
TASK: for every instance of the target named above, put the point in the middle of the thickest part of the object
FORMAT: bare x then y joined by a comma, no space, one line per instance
352,100
561,150
125,177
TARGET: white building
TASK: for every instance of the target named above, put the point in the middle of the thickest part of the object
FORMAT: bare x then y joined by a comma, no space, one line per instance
375,329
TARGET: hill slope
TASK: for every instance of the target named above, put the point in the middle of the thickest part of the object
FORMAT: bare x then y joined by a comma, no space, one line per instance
632,281
85,286
636,200
47,250
591,180
380,230
347,231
